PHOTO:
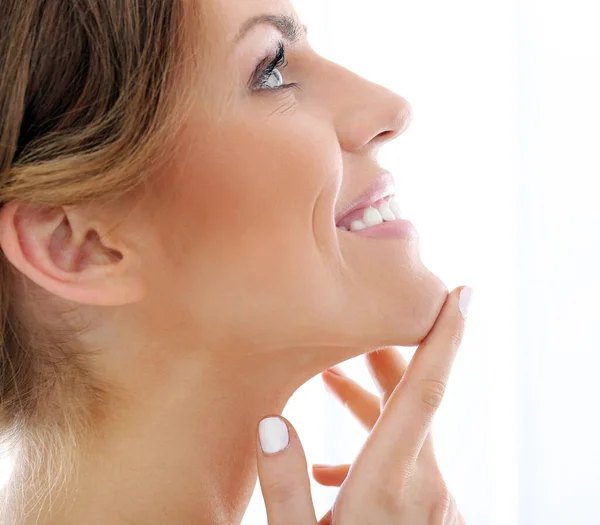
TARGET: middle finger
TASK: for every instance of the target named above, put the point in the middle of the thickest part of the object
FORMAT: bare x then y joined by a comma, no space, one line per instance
386,366
363,405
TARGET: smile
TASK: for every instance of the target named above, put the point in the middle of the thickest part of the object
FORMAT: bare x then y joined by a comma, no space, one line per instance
384,210
376,212
382,219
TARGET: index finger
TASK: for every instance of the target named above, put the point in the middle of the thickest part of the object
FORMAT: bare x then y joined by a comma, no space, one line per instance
395,442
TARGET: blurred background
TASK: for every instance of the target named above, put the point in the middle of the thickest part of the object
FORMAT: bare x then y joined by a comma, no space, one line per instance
500,173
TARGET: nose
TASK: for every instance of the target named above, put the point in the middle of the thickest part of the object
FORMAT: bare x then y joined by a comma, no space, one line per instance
367,115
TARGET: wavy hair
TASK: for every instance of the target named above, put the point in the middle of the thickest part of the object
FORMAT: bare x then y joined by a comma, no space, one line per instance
91,100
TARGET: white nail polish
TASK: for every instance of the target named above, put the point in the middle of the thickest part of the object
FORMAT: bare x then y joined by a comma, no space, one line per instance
464,301
273,433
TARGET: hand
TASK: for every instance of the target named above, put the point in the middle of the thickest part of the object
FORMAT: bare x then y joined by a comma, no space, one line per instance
395,479
387,367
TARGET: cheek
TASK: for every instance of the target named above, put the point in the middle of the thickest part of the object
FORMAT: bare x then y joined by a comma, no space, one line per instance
240,216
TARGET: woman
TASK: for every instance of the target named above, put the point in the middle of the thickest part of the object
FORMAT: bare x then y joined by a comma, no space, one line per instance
182,248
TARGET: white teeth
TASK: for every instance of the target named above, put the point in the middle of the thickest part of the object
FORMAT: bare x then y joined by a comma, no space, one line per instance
394,205
386,213
357,225
372,217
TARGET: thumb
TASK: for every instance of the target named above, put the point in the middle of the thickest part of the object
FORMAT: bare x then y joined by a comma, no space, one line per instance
283,474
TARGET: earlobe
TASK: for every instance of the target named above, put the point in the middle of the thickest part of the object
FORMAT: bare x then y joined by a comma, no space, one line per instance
59,250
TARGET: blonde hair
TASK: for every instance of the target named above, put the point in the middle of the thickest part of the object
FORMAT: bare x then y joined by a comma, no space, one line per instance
91,98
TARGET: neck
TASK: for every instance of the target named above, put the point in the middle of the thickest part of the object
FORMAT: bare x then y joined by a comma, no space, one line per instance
181,444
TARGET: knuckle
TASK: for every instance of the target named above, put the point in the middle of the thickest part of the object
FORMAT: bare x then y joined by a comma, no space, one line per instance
389,502
385,494
441,507
456,339
280,491
390,495
431,392
440,492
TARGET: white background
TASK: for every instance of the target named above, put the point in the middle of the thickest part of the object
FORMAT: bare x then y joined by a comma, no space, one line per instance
499,171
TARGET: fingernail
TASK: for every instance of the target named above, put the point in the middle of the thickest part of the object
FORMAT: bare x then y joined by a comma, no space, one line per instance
464,301
273,434
336,371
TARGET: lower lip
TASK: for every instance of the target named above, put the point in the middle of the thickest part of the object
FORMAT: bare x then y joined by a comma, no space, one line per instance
398,229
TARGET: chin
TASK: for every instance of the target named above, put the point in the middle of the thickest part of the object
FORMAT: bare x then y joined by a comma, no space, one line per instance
402,315
425,307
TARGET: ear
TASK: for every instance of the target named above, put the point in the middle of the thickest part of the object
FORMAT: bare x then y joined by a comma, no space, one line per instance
69,255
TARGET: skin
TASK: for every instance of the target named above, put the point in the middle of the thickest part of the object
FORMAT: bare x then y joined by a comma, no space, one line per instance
395,478
232,286
388,368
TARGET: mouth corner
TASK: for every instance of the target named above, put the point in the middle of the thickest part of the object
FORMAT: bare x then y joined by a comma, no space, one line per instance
381,187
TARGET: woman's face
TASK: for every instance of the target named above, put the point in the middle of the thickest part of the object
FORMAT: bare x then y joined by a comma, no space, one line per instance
248,253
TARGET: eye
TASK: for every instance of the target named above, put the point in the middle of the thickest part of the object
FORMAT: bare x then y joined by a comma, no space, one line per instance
278,78
269,78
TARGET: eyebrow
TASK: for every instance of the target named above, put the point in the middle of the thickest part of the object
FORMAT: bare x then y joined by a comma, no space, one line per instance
287,25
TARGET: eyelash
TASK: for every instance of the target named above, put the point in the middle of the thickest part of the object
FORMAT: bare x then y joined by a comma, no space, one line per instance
279,62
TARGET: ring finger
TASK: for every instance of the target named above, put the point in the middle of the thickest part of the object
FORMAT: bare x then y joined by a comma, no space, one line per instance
362,403
387,367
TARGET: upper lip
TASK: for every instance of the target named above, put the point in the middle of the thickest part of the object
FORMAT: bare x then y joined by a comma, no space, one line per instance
383,186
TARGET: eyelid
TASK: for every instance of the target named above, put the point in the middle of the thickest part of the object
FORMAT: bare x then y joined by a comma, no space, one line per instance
262,65
270,60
